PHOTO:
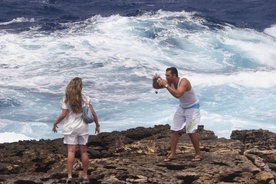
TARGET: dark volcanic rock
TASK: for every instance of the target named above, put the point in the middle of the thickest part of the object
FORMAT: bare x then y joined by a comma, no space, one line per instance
136,156
262,139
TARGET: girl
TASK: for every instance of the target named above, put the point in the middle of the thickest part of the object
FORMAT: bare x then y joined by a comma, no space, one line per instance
75,130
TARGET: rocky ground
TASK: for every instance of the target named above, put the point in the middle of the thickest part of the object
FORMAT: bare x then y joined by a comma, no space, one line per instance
136,156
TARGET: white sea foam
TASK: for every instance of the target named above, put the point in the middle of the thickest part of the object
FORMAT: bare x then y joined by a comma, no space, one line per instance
223,125
18,19
271,31
12,131
8,137
250,79
252,45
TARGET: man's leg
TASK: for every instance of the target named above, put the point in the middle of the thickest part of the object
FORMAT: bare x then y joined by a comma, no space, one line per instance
174,140
177,124
195,142
193,119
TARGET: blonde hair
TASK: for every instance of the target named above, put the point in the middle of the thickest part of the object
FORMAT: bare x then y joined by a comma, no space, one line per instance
73,94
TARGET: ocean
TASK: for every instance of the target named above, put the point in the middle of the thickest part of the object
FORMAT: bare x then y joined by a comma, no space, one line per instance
225,48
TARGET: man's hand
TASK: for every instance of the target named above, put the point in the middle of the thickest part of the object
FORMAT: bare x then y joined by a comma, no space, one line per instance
155,81
163,82
155,77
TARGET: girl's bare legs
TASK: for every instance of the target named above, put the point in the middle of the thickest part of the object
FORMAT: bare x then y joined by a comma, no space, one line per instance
84,159
70,159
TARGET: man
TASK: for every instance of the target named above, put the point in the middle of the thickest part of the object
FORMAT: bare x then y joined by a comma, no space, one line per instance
187,114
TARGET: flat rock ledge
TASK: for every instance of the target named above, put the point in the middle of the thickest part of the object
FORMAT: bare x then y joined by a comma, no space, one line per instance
136,156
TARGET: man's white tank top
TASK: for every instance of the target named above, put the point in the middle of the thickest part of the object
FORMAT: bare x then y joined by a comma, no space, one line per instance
188,99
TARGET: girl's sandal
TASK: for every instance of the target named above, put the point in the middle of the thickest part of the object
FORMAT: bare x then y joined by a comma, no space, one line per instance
196,159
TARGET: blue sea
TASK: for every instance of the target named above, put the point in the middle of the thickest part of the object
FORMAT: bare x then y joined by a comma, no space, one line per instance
227,49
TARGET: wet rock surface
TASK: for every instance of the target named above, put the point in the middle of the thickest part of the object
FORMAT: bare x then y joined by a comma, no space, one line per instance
136,156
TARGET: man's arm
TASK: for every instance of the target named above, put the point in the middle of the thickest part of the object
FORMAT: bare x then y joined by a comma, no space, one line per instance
177,93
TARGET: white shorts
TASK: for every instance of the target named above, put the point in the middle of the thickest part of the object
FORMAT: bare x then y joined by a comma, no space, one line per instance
186,117
76,139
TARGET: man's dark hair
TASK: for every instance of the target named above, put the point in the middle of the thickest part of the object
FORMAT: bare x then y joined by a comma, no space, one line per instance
173,71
